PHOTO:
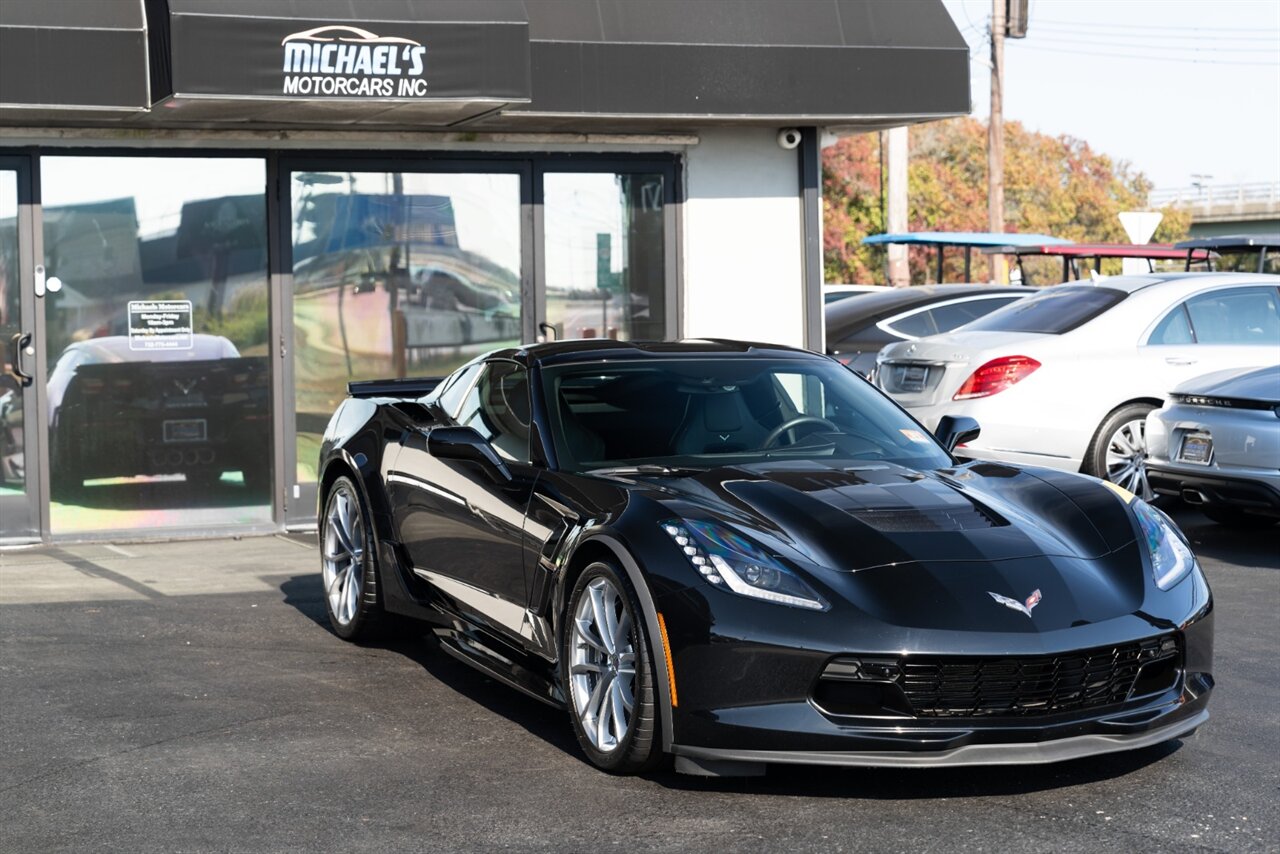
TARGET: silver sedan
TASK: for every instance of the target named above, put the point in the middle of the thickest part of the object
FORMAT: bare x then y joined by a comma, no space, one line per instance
1216,444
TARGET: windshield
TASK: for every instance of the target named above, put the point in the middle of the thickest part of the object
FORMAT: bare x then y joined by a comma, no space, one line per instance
1054,311
700,413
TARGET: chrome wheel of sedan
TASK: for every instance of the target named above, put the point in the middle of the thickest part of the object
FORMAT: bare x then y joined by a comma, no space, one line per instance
1127,458
602,665
342,560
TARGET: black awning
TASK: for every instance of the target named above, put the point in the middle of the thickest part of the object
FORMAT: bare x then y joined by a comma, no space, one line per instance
357,59
807,61
509,65
73,55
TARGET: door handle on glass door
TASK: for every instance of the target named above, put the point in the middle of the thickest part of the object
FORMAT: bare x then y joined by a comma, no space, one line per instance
20,344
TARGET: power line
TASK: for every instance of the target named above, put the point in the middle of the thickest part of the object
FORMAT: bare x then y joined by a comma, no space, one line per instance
1155,58
1274,39
1150,27
1147,46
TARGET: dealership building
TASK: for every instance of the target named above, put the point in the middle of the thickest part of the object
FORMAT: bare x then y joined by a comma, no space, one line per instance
214,214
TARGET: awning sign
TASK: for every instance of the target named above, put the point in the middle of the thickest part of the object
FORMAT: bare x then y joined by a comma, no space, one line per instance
484,57
160,325
353,62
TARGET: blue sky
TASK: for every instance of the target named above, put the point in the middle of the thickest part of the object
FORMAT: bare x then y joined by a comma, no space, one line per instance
1176,87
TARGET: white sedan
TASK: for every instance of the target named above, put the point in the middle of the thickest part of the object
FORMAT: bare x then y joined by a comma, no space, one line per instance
1065,379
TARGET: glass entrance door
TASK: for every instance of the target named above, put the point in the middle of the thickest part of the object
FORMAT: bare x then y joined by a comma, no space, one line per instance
19,483
157,342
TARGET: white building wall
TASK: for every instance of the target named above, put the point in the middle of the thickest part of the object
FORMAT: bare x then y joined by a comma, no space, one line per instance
743,239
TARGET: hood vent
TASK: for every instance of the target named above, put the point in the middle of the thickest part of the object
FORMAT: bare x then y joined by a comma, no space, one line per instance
912,520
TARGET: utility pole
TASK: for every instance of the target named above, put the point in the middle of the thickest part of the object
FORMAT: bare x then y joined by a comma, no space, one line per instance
896,215
995,140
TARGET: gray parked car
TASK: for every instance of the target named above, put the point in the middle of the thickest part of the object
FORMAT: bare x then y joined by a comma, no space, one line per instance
1216,443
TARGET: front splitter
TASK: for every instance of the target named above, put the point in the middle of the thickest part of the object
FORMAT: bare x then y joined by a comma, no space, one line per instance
724,762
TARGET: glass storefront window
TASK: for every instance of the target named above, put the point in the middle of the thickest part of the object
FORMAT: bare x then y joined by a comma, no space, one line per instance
605,273
157,330
396,274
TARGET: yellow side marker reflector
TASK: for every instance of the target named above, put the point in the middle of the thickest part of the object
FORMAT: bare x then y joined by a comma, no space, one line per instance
1125,495
666,651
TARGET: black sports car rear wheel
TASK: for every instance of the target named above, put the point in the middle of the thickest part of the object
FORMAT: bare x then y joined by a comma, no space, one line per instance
348,566
608,673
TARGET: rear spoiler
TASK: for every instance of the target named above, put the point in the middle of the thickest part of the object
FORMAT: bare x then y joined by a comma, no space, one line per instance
408,388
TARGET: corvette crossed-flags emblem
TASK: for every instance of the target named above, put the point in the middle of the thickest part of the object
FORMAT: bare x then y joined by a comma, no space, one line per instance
1025,607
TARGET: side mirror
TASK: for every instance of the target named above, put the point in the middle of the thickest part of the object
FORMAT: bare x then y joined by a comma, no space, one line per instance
464,443
954,429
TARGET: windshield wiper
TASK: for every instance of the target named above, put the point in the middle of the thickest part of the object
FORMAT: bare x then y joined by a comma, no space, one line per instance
645,469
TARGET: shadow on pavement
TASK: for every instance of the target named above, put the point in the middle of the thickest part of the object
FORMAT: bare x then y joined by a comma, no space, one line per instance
303,592
1256,547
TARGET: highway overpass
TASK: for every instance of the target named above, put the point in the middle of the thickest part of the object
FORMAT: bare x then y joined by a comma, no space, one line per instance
1217,209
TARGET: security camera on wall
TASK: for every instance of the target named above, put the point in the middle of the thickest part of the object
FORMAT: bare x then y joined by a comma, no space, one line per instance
789,138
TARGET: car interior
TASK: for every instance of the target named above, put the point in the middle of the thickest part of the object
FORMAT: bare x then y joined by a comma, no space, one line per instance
654,414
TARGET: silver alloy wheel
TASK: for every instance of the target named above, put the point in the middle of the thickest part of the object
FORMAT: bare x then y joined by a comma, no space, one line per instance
602,666
343,561
1127,458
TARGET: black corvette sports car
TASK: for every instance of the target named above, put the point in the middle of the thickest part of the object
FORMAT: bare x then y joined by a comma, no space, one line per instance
742,554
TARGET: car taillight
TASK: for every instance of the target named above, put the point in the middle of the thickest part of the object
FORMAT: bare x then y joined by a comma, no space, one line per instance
996,376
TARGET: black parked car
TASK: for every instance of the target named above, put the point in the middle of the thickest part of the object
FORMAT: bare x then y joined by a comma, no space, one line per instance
859,329
741,554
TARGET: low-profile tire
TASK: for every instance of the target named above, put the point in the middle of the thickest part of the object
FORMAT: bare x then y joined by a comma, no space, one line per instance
606,670
1119,449
349,567
1233,518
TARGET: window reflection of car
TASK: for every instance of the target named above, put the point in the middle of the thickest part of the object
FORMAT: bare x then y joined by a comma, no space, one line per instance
445,290
120,412
12,465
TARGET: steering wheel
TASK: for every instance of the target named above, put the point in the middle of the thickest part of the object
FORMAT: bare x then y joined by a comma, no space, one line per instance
776,433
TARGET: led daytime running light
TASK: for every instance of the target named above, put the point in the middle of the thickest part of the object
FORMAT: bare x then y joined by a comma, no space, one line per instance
727,559
1171,558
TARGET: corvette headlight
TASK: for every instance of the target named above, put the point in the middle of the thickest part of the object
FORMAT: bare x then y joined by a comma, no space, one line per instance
727,559
1171,557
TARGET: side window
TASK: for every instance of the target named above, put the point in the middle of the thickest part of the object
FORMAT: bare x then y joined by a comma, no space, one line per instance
498,409
955,315
1247,316
916,325
451,396
1174,329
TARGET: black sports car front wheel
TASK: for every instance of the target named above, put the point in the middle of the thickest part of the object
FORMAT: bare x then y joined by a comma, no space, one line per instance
608,673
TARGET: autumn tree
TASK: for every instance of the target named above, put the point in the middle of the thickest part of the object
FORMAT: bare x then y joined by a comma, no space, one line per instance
1053,185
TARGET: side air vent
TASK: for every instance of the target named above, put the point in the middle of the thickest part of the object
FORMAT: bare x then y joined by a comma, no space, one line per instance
942,519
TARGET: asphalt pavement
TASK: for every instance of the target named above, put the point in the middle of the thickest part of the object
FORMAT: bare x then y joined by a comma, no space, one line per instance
188,696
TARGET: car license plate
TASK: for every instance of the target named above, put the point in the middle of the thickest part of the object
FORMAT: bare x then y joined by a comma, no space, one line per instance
186,430
913,377
1196,448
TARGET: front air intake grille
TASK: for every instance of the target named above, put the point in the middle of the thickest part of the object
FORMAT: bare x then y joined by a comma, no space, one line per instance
955,686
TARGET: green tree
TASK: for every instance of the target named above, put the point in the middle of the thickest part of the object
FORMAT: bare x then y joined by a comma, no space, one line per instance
1053,185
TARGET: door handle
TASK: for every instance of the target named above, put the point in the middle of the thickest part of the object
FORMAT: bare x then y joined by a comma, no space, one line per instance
1174,360
19,345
